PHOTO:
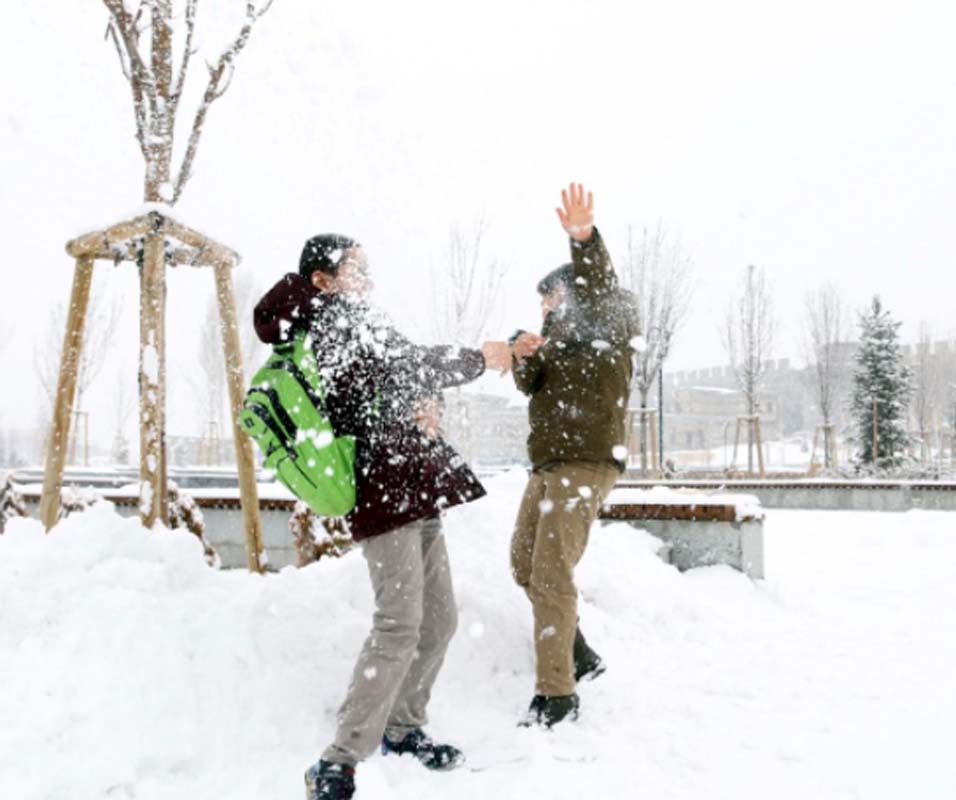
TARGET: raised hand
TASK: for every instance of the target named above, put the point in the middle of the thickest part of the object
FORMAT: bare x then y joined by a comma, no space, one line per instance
577,216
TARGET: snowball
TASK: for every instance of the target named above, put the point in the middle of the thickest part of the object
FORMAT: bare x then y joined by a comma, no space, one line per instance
619,451
546,506
476,630
638,344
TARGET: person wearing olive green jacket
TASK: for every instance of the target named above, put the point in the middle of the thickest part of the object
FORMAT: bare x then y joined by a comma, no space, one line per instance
577,374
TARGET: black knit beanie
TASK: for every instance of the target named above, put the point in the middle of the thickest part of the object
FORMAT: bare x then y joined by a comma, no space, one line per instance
324,253
561,276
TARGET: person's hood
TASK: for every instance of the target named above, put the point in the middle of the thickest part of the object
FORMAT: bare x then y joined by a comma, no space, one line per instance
286,308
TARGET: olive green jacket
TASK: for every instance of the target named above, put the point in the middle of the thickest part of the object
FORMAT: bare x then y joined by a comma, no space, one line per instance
579,380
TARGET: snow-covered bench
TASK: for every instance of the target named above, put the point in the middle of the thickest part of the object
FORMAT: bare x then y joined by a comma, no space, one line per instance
698,529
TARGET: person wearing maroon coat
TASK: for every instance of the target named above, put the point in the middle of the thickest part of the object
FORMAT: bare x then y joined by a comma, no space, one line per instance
383,390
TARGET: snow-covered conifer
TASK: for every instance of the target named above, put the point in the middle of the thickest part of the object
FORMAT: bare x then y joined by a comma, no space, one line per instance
881,390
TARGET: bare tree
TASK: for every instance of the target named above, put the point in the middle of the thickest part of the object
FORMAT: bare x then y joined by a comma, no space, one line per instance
248,292
748,338
103,316
826,352
659,272
466,287
210,381
124,401
927,383
157,86
466,295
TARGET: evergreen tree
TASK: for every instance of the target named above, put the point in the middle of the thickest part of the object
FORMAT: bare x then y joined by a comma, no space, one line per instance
881,390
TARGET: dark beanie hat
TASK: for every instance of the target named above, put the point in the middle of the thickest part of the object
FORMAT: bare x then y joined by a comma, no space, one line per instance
324,253
561,276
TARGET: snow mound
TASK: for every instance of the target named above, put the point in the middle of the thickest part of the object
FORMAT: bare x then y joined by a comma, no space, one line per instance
130,669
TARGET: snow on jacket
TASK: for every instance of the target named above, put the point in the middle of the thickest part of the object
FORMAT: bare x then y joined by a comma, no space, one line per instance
374,377
579,380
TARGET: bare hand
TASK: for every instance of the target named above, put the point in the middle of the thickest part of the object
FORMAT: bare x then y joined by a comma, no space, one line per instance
428,417
527,344
497,356
577,217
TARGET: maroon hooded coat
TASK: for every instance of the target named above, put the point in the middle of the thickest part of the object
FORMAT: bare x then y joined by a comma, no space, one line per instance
373,378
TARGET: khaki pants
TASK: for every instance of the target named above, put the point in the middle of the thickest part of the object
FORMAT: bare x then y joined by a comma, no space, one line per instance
415,619
559,505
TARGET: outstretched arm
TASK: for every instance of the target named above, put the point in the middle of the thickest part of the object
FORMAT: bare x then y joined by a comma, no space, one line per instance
593,271
431,369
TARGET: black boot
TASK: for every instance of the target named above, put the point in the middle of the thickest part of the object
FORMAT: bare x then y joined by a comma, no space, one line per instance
329,781
439,757
587,664
547,711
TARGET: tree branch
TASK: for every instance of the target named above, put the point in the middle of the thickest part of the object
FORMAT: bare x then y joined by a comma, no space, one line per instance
214,90
187,54
139,75
124,64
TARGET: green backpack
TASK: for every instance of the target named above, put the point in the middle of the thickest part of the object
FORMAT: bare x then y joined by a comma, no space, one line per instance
284,412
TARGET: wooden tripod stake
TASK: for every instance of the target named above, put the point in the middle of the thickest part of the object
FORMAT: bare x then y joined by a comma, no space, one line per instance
753,424
154,240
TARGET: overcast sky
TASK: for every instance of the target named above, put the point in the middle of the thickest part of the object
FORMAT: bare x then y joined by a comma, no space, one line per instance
815,139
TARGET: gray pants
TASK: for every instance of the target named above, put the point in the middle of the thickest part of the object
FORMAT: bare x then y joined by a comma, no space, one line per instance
415,619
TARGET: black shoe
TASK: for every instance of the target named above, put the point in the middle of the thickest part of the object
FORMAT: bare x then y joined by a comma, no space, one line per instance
329,781
547,711
587,664
419,744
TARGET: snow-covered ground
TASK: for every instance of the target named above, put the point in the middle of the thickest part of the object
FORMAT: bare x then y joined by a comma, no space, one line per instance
128,669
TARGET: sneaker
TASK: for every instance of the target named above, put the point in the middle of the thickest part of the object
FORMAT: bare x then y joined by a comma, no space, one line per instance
587,664
547,711
329,781
418,743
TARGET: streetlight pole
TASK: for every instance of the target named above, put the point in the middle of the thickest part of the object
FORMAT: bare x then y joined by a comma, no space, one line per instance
660,415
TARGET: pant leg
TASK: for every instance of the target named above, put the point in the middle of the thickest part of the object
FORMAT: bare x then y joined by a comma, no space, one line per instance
439,622
573,493
397,574
526,527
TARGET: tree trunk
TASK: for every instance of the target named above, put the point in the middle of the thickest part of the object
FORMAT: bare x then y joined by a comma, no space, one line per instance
750,434
644,427
159,143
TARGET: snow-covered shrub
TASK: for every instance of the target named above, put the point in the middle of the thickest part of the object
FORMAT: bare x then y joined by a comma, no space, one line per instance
11,502
315,537
184,513
76,498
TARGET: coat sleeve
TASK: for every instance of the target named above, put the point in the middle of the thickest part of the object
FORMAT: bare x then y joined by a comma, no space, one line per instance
428,370
529,373
593,272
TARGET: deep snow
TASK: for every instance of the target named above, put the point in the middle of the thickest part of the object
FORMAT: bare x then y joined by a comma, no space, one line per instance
129,669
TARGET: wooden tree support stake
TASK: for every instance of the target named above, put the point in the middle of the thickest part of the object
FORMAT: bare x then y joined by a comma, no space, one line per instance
65,393
248,491
152,382
156,239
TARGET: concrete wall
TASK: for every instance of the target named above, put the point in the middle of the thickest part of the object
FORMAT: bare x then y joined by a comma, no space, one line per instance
836,497
693,544
224,533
